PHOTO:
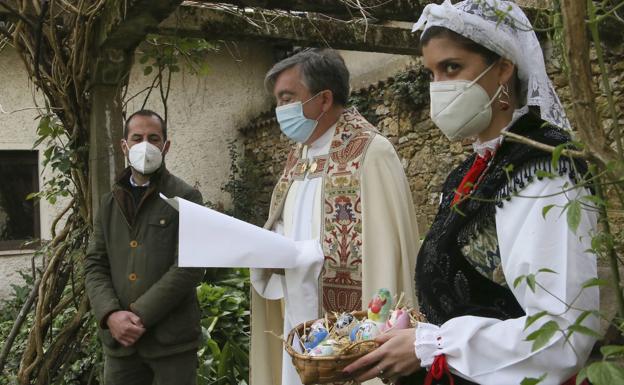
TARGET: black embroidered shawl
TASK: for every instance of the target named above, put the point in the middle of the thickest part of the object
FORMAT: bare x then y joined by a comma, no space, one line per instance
448,285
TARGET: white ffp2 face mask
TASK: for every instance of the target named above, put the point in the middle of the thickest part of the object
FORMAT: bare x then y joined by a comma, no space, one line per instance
461,108
145,157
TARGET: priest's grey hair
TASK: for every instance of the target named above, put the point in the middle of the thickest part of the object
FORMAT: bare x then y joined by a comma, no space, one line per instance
321,69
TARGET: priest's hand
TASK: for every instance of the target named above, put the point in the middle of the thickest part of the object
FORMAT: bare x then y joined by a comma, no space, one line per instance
125,327
395,358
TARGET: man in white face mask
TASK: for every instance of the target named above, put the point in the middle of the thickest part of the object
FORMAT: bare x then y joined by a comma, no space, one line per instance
344,195
145,305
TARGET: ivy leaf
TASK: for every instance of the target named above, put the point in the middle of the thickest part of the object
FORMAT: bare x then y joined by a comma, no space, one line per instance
148,70
530,279
533,381
226,356
594,199
581,376
584,315
541,336
546,270
612,351
556,155
605,373
204,69
532,318
595,282
143,59
574,215
544,174
518,280
546,209
584,330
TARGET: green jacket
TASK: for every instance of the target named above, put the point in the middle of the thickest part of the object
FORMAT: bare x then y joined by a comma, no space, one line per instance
131,264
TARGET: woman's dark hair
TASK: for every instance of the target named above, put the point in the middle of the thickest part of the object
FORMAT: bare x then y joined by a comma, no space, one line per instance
469,45
488,56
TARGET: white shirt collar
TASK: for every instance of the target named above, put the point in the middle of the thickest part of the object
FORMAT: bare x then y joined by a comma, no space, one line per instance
322,144
492,145
133,183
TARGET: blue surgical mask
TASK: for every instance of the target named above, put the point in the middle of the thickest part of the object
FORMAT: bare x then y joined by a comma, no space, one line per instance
293,122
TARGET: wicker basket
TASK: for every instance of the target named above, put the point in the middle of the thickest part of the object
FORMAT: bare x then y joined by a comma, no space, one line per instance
323,370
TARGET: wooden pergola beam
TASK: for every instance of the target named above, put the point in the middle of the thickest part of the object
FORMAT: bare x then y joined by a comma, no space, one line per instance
124,24
276,28
401,10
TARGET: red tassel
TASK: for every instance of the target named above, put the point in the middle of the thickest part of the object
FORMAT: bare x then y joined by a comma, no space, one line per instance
438,370
469,181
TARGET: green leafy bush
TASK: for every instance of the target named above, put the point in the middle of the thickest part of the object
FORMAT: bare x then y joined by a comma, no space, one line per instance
223,356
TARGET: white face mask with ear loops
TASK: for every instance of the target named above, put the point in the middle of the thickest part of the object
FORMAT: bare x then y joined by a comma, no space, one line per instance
144,157
461,108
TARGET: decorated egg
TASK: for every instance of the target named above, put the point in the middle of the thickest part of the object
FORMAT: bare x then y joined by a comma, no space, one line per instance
379,306
327,348
315,337
345,323
318,324
399,319
367,330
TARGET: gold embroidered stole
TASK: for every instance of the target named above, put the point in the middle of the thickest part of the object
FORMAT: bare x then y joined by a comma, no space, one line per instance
340,282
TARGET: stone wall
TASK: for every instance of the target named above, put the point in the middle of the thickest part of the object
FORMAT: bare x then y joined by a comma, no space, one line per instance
399,108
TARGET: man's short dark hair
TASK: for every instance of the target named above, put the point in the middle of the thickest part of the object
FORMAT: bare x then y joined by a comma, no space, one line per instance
321,69
148,113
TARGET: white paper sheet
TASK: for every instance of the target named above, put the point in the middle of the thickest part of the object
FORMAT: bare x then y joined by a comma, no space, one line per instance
208,238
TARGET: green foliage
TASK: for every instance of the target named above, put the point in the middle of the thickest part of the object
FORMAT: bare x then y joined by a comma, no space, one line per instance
412,88
172,52
532,318
542,336
409,88
530,279
163,56
224,358
9,309
363,102
245,184
533,381
59,154
573,214
86,365
602,373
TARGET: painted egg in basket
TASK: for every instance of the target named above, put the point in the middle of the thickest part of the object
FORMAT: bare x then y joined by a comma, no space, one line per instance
367,330
345,323
315,337
399,319
327,348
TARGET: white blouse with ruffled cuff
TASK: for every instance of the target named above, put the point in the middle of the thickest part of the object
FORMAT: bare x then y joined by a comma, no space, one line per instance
492,351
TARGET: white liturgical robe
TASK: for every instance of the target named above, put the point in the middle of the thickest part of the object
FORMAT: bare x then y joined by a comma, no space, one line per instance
389,255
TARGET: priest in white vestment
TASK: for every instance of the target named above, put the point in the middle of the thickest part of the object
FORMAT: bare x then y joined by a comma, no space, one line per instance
344,197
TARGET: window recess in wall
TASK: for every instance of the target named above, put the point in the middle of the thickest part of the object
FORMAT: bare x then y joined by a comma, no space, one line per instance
19,218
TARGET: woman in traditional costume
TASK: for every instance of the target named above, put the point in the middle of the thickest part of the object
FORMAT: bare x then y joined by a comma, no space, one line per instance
497,263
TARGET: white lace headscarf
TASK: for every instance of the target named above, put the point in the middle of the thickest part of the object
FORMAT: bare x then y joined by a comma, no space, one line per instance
502,27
